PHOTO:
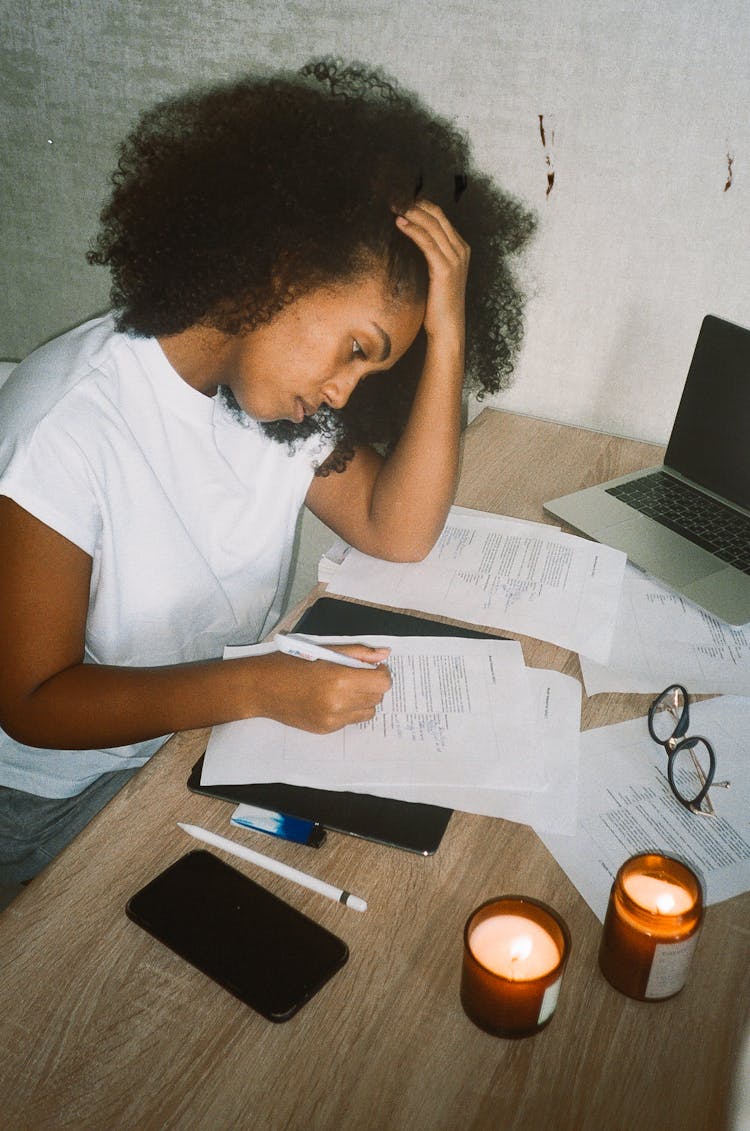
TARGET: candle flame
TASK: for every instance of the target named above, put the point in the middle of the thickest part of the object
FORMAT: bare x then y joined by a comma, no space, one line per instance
665,903
520,948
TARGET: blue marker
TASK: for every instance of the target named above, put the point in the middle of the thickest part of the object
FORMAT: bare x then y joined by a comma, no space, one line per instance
296,829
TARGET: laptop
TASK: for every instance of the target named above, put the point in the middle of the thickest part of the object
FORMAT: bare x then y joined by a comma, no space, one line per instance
687,522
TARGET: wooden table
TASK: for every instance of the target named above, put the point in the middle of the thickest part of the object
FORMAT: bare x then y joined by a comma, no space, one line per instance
103,1028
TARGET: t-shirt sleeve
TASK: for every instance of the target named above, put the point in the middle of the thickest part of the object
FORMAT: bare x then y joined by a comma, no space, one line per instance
46,473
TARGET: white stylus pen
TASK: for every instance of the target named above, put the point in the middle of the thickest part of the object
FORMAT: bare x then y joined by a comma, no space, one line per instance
271,865
293,645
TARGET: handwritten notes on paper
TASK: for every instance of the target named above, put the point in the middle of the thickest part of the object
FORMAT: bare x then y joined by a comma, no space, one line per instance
465,725
527,577
661,638
556,712
626,806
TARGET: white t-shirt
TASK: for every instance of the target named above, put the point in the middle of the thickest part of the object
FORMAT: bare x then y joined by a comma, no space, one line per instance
188,513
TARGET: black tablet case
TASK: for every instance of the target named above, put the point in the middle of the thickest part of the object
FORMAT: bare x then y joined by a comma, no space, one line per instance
402,824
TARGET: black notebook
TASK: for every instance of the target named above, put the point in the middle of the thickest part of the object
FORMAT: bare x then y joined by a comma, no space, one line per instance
402,824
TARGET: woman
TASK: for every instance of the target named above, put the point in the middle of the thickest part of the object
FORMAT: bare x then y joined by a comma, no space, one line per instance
290,327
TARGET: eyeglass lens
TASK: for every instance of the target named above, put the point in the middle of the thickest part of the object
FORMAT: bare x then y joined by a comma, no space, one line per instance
691,770
667,713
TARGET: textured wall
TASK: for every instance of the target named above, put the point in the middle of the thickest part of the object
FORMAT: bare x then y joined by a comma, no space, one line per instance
644,113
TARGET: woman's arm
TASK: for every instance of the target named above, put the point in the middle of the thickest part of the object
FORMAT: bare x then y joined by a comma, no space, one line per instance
396,508
50,698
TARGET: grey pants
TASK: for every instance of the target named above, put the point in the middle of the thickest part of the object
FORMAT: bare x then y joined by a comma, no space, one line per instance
33,830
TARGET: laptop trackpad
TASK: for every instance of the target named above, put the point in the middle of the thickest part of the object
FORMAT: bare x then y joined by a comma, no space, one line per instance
659,551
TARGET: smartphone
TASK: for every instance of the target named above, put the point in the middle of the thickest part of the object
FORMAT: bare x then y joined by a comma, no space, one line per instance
252,943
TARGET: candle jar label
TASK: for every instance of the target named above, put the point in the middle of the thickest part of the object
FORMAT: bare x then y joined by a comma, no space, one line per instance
549,1001
669,968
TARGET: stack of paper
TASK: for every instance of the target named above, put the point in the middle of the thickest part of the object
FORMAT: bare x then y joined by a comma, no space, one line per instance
626,806
661,638
633,633
334,556
503,573
465,725
332,559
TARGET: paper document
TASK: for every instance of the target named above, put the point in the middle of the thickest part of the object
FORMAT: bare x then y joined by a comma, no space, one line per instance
339,549
557,707
504,573
465,724
660,638
625,806
458,710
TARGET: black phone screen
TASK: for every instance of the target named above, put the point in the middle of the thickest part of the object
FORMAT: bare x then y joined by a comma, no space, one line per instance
248,940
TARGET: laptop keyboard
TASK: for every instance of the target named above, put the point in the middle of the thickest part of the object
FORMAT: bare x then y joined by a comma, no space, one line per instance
697,517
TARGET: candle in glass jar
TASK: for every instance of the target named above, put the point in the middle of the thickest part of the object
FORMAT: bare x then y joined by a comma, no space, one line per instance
651,928
514,946
515,950
659,897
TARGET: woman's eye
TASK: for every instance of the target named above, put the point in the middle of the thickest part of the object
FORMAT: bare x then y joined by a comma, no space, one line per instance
357,350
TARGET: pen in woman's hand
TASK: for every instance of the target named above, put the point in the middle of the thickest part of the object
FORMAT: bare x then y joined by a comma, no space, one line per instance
294,645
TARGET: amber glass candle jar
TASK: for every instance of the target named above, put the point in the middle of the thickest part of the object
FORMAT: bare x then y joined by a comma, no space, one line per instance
515,950
652,925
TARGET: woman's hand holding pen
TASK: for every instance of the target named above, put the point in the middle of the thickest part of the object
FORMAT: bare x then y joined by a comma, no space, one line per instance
320,697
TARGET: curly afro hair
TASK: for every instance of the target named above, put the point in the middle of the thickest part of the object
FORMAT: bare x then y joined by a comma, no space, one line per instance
230,202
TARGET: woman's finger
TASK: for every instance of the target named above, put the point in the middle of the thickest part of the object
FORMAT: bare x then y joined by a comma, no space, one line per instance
432,219
362,652
432,242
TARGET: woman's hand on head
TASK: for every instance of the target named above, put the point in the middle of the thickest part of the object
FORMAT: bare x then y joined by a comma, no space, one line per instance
395,508
447,256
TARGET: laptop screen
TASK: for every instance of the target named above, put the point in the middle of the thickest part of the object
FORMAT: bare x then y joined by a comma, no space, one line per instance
710,439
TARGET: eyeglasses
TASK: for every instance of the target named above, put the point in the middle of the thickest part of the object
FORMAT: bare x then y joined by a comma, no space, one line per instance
691,762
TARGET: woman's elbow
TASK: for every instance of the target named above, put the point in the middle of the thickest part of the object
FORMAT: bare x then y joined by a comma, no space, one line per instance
416,550
27,726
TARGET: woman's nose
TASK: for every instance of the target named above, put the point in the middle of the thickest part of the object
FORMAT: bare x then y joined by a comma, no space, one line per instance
337,389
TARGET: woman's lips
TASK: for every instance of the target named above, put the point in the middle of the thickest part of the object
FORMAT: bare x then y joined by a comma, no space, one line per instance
301,410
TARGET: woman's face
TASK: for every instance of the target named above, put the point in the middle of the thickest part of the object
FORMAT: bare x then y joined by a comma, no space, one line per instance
318,348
